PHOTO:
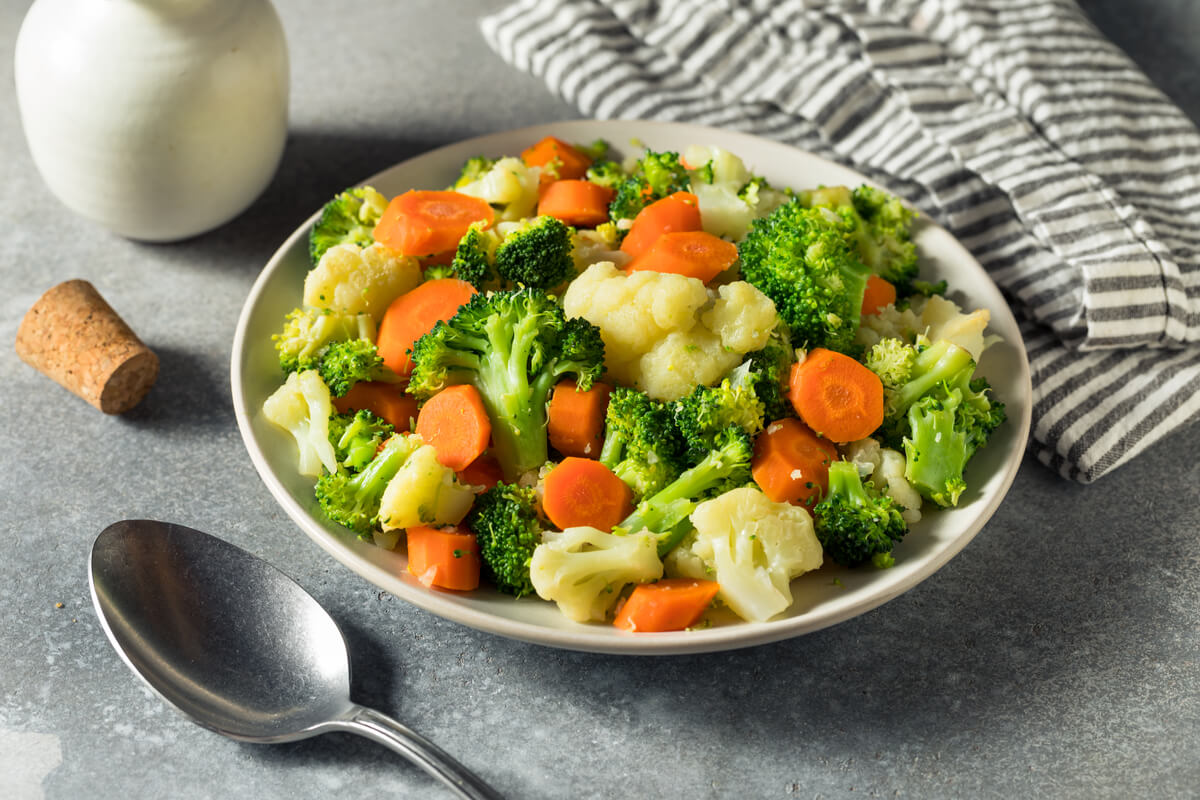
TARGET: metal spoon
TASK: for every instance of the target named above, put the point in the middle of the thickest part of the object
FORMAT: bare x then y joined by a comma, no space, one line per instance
237,645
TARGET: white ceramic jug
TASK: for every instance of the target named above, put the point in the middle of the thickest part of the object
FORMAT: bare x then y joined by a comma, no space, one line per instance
159,119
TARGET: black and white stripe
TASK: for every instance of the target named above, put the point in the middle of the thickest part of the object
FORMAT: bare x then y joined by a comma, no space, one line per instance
1016,125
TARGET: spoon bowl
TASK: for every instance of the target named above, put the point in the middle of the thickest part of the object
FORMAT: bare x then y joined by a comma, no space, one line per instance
237,645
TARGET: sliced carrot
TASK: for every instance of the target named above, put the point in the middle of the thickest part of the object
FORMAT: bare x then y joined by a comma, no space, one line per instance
672,604
385,400
447,558
695,254
836,396
413,314
427,221
456,423
879,293
557,158
484,471
676,212
791,463
576,419
582,204
580,491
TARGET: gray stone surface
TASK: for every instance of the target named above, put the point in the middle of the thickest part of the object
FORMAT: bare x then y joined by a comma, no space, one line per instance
1056,656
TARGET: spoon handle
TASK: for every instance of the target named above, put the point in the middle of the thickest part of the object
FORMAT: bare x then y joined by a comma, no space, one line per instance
416,748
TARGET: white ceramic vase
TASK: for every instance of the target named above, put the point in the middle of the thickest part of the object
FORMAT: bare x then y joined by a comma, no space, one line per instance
159,119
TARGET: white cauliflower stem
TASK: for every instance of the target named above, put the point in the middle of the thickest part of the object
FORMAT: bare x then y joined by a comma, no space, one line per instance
752,547
583,569
301,406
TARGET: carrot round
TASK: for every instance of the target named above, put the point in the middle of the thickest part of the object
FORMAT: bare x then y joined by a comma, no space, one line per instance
413,314
675,212
558,158
423,222
695,254
576,419
579,203
836,396
672,604
444,557
484,471
456,423
385,400
879,293
791,463
580,491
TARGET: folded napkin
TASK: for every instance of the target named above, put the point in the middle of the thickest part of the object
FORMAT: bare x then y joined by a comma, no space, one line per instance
1016,125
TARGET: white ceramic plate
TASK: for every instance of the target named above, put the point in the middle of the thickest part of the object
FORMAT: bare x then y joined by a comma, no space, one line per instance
822,598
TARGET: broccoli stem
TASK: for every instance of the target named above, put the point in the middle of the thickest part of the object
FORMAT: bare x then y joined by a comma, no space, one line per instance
936,454
666,513
941,362
517,407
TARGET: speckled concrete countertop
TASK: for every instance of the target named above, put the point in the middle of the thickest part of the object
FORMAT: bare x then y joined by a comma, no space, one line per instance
1055,657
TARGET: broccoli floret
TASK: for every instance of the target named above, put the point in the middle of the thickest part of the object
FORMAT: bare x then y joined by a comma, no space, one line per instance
308,331
473,259
800,258
513,347
356,437
882,231
343,364
854,523
606,173
537,254
665,513
703,174
352,498
936,409
349,218
508,528
707,411
473,169
655,176
641,443
771,368
596,150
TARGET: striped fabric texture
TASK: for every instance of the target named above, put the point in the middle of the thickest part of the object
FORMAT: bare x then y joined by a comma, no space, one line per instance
1013,123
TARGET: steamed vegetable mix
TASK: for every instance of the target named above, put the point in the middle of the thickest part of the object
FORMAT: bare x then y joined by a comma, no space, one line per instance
637,389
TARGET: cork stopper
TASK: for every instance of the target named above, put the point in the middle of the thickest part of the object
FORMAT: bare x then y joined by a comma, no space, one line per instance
74,337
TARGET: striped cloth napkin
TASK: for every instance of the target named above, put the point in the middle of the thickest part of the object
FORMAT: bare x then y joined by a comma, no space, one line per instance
1014,124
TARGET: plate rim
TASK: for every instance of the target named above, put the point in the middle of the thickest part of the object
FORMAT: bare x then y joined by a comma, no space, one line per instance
598,638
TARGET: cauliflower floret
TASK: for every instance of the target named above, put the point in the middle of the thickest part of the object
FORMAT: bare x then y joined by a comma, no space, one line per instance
666,333
510,184
302,406
934,318
884,467
865,453
943,319
727,168
889,477
682,361
423,492
583,569
722,211
353,280
742,316
752,547
889,323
